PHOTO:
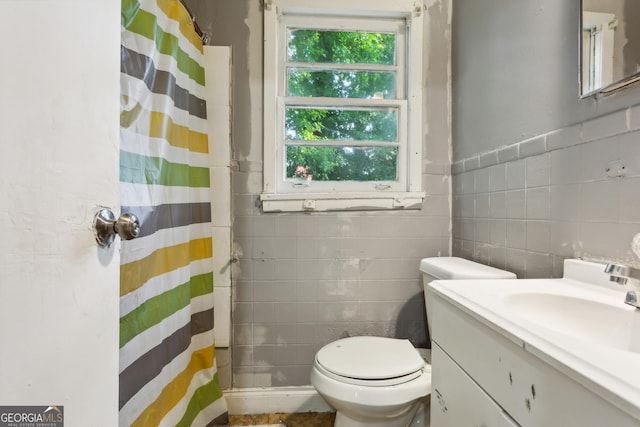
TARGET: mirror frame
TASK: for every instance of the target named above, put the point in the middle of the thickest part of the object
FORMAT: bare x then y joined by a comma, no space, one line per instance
604,90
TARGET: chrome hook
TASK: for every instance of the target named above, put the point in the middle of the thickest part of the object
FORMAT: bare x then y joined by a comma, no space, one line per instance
106,226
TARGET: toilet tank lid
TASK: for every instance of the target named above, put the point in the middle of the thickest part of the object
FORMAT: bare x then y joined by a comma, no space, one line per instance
451,268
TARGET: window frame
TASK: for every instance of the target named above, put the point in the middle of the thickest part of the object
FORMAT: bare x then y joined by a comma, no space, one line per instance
405,193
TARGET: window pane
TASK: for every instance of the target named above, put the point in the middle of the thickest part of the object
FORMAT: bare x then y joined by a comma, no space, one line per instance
344,163
341,84
341,47
341,124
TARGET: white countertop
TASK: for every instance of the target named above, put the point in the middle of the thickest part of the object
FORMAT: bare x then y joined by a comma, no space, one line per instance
601,361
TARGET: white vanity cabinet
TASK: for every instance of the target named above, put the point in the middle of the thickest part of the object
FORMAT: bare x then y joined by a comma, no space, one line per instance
456,400
485,377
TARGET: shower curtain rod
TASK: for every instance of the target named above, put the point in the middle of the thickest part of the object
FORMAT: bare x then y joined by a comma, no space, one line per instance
203,36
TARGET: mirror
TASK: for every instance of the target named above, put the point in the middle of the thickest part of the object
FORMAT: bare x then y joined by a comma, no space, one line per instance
609,45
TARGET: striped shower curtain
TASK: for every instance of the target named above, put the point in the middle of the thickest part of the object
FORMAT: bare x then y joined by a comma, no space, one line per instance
168,370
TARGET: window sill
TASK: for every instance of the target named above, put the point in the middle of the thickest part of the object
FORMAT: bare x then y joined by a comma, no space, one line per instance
324,202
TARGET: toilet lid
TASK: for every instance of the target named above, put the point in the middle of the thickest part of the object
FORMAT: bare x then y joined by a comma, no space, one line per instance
370,358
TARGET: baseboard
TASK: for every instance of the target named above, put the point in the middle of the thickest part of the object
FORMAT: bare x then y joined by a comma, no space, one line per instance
273,400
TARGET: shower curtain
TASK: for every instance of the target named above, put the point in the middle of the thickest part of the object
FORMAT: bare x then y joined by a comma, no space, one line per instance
168,372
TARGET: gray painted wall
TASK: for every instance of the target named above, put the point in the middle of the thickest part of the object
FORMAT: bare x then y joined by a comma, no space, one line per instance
530,158
515,73
304,280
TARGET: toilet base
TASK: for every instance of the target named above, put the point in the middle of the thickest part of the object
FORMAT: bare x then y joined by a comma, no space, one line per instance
417,416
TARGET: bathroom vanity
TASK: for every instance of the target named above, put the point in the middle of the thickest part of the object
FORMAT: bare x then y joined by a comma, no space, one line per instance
537,352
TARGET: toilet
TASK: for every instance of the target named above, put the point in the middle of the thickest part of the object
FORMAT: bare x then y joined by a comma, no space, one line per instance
377,381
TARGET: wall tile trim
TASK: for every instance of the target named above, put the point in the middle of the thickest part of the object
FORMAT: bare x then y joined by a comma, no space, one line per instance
616,123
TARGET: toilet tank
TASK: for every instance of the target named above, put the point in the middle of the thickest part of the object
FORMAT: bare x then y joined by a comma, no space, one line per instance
455,268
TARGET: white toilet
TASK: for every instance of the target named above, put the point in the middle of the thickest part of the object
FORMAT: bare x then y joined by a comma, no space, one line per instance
376,381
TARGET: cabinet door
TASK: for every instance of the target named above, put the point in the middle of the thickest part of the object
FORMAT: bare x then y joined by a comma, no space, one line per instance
457,401
507,421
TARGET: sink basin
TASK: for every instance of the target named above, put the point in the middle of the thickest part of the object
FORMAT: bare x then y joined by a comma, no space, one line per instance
601,323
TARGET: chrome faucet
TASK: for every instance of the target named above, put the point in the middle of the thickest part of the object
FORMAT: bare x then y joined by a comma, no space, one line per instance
622,274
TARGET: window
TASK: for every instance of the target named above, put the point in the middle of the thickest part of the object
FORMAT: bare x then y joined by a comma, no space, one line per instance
342,105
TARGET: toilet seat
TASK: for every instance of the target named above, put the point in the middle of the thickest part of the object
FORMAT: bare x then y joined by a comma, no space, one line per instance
370,361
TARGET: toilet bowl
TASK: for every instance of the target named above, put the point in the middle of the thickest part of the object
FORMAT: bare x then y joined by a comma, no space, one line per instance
371,381
377,381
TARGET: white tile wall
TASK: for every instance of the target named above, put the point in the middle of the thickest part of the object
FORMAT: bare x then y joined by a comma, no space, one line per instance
559,200
218,77
309,279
